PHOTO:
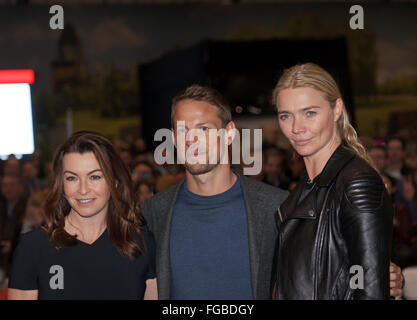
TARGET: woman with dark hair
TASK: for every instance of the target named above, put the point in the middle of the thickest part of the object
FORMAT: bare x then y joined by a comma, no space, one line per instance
335,228
95,244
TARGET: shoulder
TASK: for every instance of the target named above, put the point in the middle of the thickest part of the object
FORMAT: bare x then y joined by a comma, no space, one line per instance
362,185
257,188
359,169
34,237
162,197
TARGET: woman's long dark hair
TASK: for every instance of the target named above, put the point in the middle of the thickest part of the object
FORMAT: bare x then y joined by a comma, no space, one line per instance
124,218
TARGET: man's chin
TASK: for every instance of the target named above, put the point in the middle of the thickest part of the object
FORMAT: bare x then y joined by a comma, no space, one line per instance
197,169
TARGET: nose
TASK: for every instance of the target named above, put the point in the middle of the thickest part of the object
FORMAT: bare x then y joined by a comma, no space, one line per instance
189,142
83,186
297,126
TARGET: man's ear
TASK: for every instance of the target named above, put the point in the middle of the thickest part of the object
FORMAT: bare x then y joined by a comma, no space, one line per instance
230,132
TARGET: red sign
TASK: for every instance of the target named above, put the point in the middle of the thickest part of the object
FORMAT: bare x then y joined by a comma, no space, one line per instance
17,76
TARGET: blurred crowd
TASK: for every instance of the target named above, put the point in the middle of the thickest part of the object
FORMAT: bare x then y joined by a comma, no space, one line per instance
24,186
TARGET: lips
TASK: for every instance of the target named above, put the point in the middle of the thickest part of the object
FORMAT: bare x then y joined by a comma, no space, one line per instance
301,142
85,202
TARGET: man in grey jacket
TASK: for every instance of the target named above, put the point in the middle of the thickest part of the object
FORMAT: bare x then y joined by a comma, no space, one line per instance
215,231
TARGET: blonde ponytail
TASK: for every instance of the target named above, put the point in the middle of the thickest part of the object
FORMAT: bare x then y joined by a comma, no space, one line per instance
350,137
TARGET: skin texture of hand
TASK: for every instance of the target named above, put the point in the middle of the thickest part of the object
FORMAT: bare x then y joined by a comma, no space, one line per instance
396,280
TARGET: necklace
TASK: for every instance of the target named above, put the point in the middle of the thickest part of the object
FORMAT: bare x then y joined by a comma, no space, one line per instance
82,238
69,221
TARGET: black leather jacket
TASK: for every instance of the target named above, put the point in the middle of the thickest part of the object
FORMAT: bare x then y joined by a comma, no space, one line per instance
345,221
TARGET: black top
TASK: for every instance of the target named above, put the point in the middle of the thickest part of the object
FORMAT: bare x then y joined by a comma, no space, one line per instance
84,271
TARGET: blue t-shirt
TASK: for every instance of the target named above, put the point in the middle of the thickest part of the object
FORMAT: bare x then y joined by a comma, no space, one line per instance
209,246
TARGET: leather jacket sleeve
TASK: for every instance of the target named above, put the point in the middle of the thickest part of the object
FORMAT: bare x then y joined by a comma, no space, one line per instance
366,219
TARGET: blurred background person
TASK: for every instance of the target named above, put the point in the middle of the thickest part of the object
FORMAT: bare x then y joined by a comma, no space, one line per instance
274,171
12,209
379,157
395,156
143,191
140,152
406,191
11,166
411,155
297,169
143,171
404,250
30,177
34,216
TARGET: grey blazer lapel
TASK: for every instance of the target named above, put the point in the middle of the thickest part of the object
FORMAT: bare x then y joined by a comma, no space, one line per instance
164,235
255,220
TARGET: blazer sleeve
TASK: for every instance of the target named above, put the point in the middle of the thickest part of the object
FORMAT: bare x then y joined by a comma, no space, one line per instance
366,225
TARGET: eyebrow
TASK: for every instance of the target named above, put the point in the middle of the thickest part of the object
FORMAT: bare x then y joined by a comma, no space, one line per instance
68,171
197,124
303,109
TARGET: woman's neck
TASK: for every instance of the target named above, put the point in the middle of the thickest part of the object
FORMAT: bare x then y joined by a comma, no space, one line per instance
316,162
86,229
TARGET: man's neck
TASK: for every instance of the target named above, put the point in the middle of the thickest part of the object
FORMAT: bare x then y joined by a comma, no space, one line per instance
217,181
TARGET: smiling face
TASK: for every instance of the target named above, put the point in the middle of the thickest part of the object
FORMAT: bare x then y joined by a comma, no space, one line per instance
307,120
85,187
200,117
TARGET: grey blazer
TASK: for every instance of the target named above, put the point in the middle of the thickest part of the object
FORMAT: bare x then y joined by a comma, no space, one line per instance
261,200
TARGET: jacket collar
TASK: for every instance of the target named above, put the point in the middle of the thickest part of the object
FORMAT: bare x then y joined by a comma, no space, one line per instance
308,207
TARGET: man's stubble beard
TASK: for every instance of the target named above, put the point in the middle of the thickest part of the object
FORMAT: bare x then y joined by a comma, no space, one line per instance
197,169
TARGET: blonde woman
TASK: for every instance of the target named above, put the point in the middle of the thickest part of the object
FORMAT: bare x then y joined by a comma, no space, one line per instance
335,228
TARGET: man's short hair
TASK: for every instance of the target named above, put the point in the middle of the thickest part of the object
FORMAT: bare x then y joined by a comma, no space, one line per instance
206,94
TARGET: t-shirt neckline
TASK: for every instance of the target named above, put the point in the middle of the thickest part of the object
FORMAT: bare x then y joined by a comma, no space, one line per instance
94,242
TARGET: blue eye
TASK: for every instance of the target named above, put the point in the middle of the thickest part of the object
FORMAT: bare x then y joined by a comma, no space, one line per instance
204,128
311,113
283,117
70,178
